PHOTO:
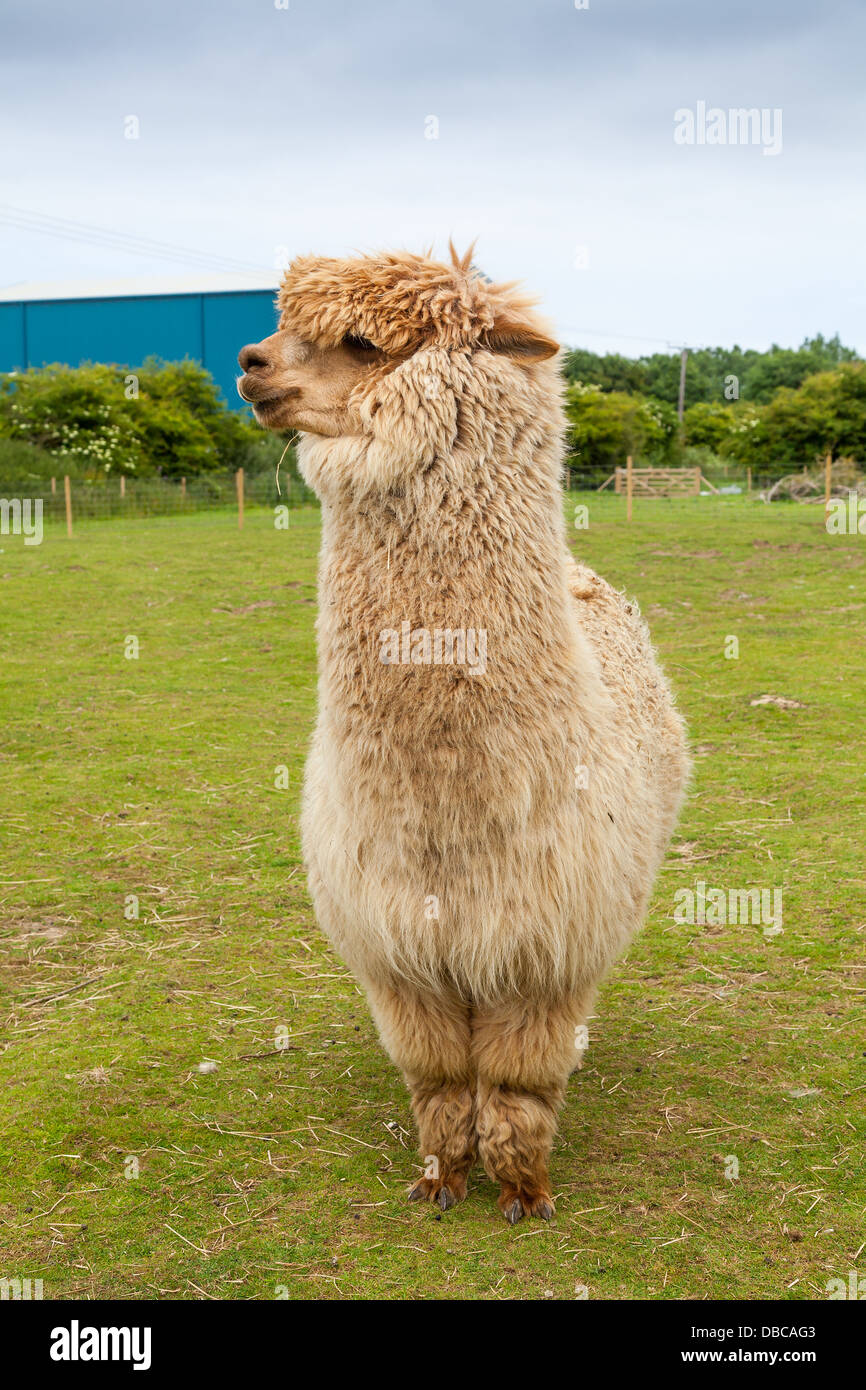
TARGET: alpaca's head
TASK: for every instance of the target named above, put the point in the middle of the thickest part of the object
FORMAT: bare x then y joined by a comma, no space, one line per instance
347,327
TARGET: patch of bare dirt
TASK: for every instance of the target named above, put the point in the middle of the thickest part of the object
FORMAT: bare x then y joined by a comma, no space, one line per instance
24,932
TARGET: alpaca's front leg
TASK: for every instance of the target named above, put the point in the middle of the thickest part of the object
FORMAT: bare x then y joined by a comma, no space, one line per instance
445,1115
524,1054
428,1036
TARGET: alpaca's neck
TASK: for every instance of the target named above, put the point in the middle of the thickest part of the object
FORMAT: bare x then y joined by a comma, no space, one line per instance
476,533
448,511
458,578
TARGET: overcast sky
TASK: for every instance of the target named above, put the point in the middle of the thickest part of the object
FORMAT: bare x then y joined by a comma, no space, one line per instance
303,129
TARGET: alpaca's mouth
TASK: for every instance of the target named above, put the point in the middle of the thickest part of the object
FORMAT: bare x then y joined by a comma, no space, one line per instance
264,409
252,390
247,389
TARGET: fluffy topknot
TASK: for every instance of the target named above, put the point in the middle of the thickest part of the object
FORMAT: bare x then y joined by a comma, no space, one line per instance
400,302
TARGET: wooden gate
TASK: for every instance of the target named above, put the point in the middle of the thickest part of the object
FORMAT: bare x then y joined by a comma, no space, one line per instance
660,482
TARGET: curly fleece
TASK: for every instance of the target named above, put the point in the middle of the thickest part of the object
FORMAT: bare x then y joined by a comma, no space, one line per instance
399,301
479,847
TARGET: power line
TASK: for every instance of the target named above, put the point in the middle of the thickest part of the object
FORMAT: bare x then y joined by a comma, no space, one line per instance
612,333
574,334
135,244
131,244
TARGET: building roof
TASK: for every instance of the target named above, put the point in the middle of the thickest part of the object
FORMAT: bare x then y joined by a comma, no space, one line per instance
140,285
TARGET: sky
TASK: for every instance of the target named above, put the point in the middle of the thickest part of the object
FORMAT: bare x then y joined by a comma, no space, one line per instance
553,134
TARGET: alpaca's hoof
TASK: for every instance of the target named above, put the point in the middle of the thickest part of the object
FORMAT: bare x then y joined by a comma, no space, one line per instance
445,1194
517,1204
514,1212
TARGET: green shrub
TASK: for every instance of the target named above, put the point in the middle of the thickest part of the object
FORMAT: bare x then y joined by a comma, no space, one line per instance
827,413
78,415
605,426
20,459
709,424
176,394
702,457
163,418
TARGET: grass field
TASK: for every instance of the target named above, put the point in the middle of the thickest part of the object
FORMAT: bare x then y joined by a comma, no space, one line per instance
282,1173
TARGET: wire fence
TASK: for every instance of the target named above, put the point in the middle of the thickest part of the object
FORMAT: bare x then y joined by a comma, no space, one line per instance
68,500
124,497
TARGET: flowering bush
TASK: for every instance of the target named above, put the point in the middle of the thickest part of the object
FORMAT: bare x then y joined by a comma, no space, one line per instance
165,418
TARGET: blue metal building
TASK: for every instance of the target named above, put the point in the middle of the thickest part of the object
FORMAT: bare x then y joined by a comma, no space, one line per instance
206,318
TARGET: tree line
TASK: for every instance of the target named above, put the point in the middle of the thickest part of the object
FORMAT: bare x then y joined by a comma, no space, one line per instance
775,412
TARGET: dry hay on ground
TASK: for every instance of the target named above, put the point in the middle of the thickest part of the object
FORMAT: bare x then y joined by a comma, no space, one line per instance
845,476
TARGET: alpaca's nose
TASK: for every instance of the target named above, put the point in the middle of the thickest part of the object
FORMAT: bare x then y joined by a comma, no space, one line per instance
253,355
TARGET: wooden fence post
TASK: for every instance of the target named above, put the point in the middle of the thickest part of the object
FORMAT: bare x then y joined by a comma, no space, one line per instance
123,485
183,489
67,488
828,478
629,487
54,485
748,482
239,479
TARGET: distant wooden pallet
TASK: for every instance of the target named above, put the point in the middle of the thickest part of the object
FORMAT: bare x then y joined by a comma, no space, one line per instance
660,482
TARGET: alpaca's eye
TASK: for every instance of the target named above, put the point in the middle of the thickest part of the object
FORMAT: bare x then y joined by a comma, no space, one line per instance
357,344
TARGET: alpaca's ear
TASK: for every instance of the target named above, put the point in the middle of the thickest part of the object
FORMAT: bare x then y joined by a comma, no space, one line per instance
517,338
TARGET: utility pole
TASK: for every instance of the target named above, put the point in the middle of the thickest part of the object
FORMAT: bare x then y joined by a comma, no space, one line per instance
682,399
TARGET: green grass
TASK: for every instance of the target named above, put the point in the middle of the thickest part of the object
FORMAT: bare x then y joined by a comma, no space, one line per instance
288,1168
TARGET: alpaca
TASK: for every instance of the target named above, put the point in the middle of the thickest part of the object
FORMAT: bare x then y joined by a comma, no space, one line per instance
480,833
